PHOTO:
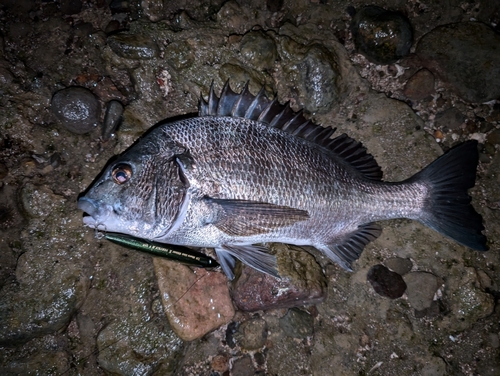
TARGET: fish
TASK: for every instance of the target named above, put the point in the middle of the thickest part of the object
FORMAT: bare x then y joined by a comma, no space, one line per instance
177,253
247,171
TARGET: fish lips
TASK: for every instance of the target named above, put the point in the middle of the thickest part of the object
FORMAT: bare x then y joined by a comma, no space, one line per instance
97,213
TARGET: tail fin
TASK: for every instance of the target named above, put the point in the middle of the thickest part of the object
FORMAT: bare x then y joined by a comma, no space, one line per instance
448,209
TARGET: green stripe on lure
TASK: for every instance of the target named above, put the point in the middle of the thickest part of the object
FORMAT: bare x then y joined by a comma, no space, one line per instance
178,253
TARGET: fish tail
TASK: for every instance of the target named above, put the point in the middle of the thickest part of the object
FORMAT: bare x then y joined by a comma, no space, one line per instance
448,208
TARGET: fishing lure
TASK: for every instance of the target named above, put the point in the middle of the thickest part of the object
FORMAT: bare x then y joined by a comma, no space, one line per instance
178,253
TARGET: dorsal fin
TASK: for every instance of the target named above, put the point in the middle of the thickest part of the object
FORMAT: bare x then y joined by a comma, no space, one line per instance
274,114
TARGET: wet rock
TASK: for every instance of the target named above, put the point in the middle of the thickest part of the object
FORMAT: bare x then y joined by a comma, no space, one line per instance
382,36
243,367
28,311
302,283
252,334
420,85
195,302
399,265
180,55
132,46
297,323
112,119
452,118
40,201
77,109
386,283
136,347
467,56
421,287
258,49
317,78
6,77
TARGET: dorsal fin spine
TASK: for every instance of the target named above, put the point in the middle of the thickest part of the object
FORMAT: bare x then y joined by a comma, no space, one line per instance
260,108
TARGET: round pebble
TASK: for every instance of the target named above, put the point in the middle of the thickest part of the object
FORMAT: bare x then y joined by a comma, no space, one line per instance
386,283
382,36
451,118
77,109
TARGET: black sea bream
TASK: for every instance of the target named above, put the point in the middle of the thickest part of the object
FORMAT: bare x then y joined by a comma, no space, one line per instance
248,171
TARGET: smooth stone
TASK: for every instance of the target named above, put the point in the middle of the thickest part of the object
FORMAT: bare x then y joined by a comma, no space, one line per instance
302,283
467,56
132,46
386,283
420,85
421,287
399,265
195,302
77,109
112,119
381,35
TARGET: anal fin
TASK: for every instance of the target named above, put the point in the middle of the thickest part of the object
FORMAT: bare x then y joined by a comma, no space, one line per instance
349,249
255,256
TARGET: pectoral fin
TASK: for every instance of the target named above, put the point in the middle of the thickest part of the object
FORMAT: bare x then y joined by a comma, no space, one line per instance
246,218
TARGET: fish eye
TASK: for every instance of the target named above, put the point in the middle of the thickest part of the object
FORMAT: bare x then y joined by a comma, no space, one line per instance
121,173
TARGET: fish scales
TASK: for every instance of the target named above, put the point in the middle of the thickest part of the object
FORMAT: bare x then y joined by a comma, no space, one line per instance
232,181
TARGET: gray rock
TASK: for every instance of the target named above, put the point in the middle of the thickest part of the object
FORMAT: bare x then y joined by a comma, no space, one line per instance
133,46
317,78
399,265
243,367
77,109
421,287
467,56
112,119
297,323
452,118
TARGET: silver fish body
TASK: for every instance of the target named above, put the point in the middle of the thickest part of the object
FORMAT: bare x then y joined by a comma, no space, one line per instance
248,171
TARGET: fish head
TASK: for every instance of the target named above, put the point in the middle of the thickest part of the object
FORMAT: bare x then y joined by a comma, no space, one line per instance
140,193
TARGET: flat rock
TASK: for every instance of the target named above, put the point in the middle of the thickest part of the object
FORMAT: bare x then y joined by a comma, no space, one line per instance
302,283
467,56
195,302
421,289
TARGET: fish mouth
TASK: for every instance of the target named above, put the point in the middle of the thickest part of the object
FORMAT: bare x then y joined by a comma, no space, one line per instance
95,213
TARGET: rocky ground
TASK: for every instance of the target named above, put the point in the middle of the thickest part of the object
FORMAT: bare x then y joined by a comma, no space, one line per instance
81,80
